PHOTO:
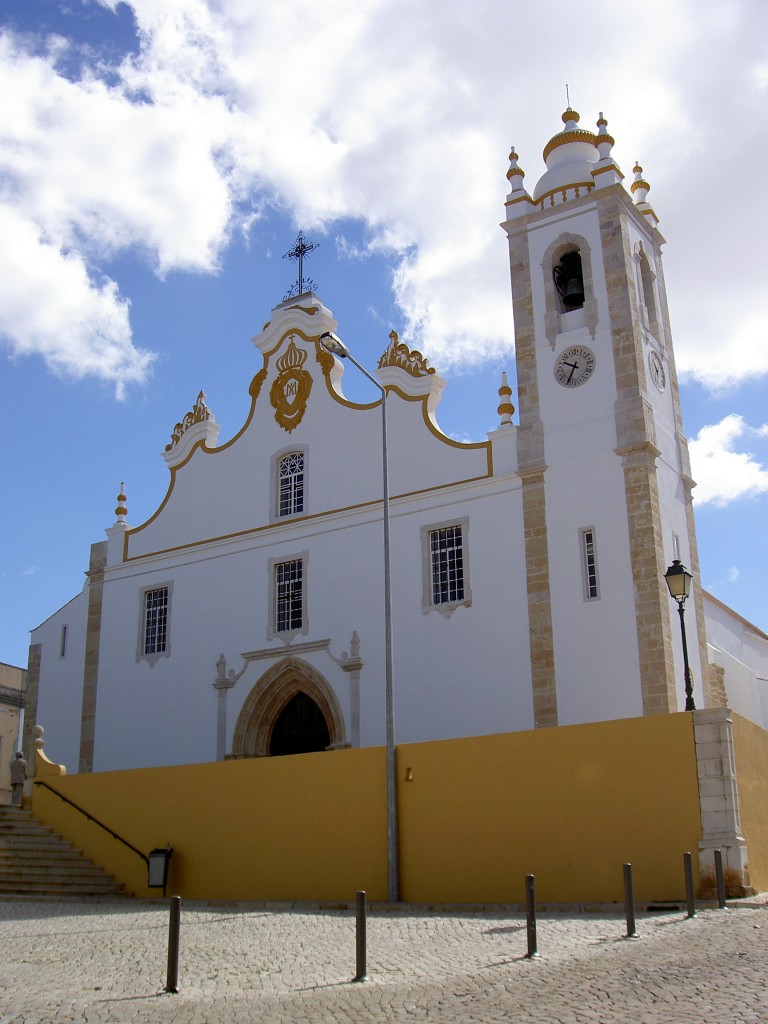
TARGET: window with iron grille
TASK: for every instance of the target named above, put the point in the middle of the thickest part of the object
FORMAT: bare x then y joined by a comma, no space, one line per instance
589,564
291,484
155,621
447,559
289,595
445,566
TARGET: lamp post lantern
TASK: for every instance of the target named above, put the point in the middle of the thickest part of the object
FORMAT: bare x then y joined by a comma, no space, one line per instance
679,582
337,347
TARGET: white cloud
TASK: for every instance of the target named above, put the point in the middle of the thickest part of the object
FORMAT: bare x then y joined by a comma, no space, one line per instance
50,307
734,575
399,115
722,474
349,251
728,357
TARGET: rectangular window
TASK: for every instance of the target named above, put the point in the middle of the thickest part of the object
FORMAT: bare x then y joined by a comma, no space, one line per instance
589,564
447,560
289,595
155,621
291,496
445,566
63,643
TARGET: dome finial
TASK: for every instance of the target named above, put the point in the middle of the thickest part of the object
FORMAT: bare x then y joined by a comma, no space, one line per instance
605,142
506,408
515,174
121,511
640,189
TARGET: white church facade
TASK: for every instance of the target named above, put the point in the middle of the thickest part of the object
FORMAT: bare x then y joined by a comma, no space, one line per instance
528,570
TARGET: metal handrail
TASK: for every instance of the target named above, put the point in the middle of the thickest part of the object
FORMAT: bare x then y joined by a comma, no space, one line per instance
90,817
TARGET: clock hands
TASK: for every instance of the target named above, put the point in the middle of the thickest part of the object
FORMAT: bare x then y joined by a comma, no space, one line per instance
574,367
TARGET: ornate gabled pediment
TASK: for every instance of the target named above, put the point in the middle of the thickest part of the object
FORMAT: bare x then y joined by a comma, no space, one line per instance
411,360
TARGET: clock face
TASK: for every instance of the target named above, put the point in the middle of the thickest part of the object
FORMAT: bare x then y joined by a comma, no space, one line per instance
574,366
657,370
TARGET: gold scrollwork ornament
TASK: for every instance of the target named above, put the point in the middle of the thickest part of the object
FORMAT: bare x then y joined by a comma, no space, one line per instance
290,389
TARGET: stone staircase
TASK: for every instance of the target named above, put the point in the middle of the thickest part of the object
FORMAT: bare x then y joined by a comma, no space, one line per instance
35,861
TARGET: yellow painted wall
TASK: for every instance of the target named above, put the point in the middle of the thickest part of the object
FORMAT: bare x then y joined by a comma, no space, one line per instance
305,827
570,805
751,751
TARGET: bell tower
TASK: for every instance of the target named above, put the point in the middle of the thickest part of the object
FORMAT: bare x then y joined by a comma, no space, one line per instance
602,456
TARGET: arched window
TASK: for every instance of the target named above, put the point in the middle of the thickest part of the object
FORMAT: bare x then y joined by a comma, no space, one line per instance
647,291
290,500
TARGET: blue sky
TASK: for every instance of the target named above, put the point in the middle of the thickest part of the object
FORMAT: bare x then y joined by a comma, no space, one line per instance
158,157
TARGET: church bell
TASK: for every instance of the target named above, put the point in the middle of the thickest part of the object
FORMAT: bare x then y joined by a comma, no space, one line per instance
568,280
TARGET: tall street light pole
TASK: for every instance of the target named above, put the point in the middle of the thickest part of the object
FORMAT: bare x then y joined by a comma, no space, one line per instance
679,582
337,347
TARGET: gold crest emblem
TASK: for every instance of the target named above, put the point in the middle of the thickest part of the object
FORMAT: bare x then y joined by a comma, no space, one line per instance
291,388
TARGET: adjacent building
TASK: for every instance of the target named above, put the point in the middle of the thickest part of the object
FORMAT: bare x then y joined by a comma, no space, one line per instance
12,680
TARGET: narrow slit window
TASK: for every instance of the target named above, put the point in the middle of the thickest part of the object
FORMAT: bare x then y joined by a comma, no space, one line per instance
589,564
647,290
63,643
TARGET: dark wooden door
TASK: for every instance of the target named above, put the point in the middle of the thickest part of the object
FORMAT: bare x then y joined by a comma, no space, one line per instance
300,728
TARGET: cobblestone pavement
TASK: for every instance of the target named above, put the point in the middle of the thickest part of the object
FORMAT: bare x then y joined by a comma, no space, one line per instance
106,962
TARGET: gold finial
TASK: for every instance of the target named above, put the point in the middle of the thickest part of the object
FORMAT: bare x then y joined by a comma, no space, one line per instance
506,409
514,171
121,511
639,185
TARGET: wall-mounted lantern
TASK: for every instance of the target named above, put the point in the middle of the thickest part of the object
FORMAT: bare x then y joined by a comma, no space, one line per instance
158,867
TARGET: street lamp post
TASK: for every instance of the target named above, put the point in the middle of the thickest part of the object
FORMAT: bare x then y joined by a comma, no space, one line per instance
337,347
679,582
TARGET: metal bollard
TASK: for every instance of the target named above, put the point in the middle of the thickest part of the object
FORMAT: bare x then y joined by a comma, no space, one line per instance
688,868
720,878
360,937
629,902
530,905
172,979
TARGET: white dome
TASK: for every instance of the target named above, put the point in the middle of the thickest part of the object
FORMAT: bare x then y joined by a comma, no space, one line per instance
570,157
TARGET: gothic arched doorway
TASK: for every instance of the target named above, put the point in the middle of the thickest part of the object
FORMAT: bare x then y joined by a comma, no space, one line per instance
300,728
290,710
